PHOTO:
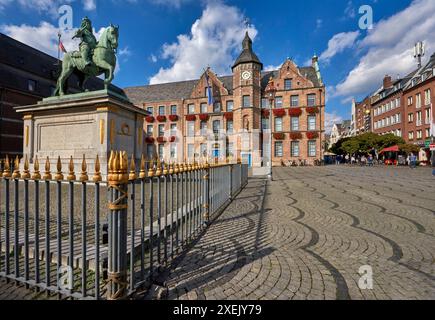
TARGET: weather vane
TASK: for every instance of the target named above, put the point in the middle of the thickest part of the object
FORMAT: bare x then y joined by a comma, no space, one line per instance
247,23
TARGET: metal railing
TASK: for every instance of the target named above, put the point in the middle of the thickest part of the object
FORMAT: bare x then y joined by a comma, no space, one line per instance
84,238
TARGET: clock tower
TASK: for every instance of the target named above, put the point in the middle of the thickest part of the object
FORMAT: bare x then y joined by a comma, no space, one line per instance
247,102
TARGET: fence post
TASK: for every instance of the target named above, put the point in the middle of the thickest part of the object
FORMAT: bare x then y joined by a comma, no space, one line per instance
118,196
207,193
231,182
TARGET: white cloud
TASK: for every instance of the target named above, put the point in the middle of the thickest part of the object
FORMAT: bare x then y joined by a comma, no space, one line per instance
272,67
170,3
89,5
338,43
125,53
48,6
349,12
388,48
319,23
43,37
330,120
213,41
153,58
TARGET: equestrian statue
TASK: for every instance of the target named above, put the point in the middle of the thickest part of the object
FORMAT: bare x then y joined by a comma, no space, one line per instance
93,58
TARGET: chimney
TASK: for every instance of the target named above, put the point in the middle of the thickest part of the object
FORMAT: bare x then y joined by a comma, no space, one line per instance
388,83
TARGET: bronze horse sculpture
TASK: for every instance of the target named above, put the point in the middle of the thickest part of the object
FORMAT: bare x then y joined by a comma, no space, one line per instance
103,61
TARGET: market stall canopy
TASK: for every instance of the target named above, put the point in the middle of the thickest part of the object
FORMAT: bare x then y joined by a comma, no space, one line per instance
391,149
329,154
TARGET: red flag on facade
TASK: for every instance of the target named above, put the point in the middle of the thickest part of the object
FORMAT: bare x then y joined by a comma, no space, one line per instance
61,47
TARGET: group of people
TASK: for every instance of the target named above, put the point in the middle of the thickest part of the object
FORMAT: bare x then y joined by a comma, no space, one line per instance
370,160
362,160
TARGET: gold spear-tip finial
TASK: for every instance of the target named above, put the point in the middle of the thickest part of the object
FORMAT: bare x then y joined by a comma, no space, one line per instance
97,175
151,168
36,173
84,174
47,172
26,174
16,174
59,175
71,175
142,173
7,168
132,176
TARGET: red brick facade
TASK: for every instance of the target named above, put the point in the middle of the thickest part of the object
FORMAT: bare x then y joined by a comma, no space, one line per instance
238,127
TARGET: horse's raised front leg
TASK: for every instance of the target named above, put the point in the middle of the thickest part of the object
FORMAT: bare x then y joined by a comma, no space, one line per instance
109,73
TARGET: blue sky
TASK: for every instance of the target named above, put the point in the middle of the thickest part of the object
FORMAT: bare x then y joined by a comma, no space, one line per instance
168,40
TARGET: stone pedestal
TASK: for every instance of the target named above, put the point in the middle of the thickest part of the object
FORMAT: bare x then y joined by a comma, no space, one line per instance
90,124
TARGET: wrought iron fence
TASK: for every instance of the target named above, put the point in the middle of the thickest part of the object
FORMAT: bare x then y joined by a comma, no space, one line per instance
84,238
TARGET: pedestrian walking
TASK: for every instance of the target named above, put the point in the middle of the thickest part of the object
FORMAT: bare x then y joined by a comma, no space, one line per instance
370,161
363,161
433,163
413,161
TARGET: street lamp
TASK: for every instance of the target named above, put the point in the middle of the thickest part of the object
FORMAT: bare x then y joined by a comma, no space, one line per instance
270,92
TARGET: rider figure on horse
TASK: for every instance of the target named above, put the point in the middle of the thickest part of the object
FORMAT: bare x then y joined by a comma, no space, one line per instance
88,43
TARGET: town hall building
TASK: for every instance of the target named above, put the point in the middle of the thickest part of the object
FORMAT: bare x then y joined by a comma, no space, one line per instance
185,126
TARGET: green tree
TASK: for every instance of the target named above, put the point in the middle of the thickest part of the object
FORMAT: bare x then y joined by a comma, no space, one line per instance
337,147
389,140
409,148
351,146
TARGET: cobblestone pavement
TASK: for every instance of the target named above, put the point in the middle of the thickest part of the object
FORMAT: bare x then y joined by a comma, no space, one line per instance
306,235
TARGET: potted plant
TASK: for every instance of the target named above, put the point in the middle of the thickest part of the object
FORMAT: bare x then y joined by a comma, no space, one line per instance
279,135
279,112
228,115
149,140
161,139
204,117
265,113
161,118
296,135
173,117
150,119
295,112
312,110
172,139
312,135
190,117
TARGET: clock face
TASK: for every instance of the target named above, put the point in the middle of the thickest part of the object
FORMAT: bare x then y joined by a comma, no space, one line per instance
246,75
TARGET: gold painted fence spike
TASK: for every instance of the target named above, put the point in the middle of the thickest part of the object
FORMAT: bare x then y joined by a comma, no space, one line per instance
26,174
58,176
151,168
142,173
36,173
84,174
97,176
132,176
16,174
7,168
165,169
71,175
47,173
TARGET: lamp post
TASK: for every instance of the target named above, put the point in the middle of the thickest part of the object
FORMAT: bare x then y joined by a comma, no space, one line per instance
270,92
